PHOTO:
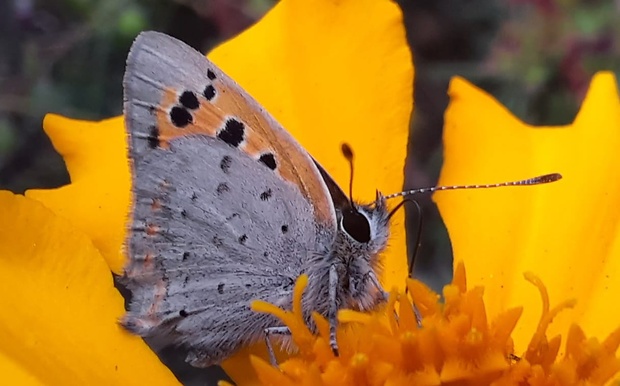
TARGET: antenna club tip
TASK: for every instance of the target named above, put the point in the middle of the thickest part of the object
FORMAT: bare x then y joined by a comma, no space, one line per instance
346,151
549,178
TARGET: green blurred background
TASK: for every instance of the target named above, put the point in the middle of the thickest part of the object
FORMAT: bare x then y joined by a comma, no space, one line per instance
67,56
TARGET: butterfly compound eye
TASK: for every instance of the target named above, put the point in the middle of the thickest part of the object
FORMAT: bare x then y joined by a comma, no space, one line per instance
356,225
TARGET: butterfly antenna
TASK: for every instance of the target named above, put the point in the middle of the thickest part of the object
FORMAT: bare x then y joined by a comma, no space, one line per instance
544,179
418,237
347,152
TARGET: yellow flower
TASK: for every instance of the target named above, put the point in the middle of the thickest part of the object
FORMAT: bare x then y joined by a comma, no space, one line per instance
456,344
489,329
329,71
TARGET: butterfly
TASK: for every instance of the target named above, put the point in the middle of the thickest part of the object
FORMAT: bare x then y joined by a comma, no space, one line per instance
227,208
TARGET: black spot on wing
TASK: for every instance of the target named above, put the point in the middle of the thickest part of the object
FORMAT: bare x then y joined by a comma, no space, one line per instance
210,74
269,160
232,133
220,288
243,238
153,138
266,195
234,215
225,163
180,117
189,100
284,228
222,188
209,92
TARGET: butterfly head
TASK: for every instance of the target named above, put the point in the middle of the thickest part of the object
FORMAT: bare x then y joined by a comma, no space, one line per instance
363,229
362,234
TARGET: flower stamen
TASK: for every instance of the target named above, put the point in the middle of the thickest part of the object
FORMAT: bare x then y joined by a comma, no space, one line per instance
456,344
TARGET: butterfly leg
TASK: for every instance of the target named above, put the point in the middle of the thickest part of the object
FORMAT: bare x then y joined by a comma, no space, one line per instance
373,279
274,331
333,308
418,316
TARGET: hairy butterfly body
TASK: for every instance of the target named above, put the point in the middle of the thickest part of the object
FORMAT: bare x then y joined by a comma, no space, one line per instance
227,208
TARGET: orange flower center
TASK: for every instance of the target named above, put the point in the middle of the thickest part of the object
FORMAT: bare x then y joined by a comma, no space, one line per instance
455,344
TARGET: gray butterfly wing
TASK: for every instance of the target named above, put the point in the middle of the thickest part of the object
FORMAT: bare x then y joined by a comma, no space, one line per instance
219,217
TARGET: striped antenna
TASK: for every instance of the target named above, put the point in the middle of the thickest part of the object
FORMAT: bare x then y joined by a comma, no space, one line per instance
544,179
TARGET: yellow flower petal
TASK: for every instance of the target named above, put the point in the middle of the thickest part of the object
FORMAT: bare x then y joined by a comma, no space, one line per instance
60,307
15,373
333,72
97,200
565,232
